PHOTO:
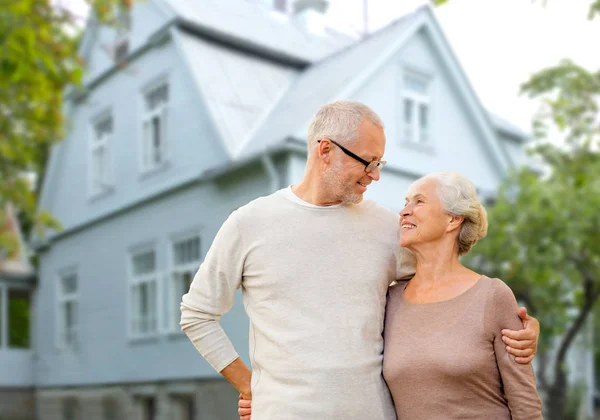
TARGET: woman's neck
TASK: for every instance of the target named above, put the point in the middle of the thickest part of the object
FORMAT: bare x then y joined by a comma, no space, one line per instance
437,266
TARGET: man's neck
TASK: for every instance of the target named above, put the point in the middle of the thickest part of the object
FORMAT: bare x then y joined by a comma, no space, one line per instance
310,191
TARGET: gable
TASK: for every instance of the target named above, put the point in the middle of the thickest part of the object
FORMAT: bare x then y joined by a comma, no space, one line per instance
454,139
345,75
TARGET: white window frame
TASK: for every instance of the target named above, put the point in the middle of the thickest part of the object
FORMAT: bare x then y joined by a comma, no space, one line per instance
147,149
418,99
175,270
100,145
64,298
134,282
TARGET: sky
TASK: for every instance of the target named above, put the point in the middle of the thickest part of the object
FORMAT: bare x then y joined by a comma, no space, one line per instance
499,43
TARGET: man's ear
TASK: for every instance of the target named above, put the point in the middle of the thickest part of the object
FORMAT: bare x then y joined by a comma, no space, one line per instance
324,150
454,222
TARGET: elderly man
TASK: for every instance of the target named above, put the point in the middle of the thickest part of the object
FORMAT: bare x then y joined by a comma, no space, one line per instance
314,261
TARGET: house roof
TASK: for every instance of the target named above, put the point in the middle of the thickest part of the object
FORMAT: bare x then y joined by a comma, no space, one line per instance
509,128
257,25
238,88
17,266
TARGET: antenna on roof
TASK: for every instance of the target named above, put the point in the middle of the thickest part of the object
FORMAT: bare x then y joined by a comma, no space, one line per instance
365,18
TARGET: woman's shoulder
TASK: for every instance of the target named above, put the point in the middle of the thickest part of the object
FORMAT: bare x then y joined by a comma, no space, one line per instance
499,290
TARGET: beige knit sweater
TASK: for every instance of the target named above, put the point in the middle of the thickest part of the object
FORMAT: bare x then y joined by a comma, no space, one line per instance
314,283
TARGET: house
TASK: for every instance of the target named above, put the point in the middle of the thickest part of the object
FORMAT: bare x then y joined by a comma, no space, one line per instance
190,110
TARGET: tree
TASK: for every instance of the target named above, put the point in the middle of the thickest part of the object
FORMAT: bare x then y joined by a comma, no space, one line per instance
38,61
545,224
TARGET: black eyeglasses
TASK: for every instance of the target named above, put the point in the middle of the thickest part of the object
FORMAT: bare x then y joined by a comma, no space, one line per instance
369,166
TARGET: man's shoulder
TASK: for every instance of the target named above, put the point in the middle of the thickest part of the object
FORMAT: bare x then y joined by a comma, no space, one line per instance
260,205
375,209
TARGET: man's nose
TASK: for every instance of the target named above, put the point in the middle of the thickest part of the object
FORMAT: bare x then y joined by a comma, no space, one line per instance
375,174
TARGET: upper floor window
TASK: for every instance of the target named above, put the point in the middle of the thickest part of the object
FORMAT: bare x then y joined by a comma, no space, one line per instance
100,177
67,311
154,121
185,263
144,293
416,113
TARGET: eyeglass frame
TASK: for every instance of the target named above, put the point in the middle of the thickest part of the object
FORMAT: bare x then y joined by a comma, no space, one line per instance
379,164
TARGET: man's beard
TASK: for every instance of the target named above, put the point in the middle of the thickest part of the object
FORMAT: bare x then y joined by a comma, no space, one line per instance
339,188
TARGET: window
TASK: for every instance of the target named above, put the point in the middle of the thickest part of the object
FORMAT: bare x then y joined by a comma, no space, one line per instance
185,262
416,109
146,408
100,165
144,307
2,316
110,409
67,311
19,309
183,408
70,409
123,29
155,127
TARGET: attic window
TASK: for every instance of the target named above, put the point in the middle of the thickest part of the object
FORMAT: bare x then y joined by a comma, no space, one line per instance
121,51
123,28
416,109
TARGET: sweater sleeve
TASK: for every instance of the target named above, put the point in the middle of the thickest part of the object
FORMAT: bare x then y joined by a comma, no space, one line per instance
518,380
212,294
405,264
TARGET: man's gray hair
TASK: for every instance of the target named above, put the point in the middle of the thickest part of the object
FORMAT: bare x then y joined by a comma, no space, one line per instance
340,121
459,197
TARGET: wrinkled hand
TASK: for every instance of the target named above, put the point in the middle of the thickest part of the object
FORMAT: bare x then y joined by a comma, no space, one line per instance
244,408
523,344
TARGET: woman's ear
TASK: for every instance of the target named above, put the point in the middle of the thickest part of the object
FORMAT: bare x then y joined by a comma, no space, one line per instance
454,223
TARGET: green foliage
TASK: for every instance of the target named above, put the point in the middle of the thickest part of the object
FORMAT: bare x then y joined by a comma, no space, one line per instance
38,60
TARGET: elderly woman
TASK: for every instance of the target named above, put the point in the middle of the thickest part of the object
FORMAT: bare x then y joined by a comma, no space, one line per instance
444,357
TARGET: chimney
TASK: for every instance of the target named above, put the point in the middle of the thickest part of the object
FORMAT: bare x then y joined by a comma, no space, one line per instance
310,15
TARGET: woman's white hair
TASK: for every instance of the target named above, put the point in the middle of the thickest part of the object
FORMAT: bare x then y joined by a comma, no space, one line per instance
459,198
340,121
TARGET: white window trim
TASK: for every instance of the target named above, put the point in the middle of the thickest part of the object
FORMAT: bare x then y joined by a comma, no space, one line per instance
417,99
163,111
93,146
140,279
173,324
61,299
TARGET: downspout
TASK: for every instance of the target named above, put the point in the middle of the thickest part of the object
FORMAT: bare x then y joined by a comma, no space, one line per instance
275,182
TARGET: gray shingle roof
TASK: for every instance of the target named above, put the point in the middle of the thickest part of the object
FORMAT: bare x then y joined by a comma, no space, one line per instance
259,26
238,88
